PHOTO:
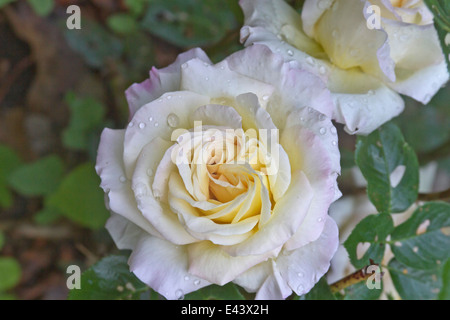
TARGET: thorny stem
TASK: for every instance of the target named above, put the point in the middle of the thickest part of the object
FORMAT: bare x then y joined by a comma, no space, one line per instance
354,278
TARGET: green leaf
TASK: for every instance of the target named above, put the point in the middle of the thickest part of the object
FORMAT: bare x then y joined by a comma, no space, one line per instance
109,279
189,23
214,292
47,215
10,273
136,7
415,284
445,292
321,291
38,178
360,291
424,238
5,2
42,7
80,198
9,162
390,167
370,235
94,43
86,117
122,23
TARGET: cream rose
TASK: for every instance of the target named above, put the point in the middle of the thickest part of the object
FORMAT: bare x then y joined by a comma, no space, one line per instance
368,52
225,172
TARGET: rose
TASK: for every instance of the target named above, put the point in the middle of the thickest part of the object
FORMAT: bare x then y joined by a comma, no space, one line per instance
225,172
365,67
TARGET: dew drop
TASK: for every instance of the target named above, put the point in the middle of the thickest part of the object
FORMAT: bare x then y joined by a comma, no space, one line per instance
322,131
416,249
310,61
149,172
141,125
289,52
173,120
322,117
206,78
179,294
333,130
150,119
322,70
319,219
265,97
169,97
131,124
140,190
122,179
186,278
197,282
334,142
184,65
334,33
300,274
156,124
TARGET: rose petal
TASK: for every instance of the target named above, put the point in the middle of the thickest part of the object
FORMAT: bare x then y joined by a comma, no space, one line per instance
160,81
124,233
274,287
164,267
152,120
218,81
303,267
286,218
109,167
210,262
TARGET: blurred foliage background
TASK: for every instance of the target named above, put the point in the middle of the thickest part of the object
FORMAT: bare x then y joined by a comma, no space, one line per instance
59,88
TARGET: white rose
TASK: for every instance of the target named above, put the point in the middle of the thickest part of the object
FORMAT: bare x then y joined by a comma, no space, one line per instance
225,173
365,67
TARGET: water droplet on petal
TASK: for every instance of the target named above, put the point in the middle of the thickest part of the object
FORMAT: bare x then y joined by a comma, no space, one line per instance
265,97
131,124
333,130
122,179
179,294
300,274
319,219
156,124
197,282
169,97
184,65
206,78
141,125
310,61
334,142
322,131
289,52
149,172
150,119
173,120
322,70
186,278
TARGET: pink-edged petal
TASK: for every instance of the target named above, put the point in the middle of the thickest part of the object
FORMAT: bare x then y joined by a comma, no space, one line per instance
117,187
164,267
295,88
302,268
160,81
211,262
218,81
